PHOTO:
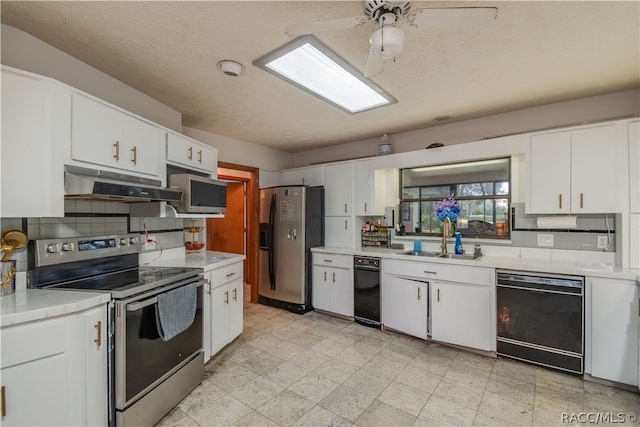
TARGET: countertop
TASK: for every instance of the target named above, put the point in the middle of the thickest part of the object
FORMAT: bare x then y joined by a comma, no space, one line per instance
29,305
541,265
205,260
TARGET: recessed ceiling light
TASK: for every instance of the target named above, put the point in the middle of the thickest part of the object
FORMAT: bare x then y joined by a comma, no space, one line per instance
311,66
231,68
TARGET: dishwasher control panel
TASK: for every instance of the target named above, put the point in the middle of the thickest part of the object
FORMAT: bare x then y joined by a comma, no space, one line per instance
370,263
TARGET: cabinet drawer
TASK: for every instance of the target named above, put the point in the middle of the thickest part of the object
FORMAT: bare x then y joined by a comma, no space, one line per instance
332,260
225,274
23,343
450,273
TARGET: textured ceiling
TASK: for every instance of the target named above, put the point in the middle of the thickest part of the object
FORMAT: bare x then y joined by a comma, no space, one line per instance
532,54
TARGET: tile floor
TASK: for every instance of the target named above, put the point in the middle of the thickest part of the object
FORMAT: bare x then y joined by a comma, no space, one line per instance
318,370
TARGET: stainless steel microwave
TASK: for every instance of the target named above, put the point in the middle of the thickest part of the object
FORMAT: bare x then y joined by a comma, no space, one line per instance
199,194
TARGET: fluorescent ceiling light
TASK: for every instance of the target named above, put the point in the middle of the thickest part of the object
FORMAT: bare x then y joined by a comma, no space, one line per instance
457,165
313,67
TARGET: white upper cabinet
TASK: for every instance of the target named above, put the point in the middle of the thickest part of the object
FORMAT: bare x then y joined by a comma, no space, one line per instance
35,129
186,152
634,166
312,175
578,171
104,136
374,189
339,189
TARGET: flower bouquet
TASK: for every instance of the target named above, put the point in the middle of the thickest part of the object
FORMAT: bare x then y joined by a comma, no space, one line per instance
447,211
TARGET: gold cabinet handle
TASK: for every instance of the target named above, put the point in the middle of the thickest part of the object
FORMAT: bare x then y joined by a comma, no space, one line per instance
199,156
98,326
117,154
430,272
325,276
235,294
365,207
418,294
560,201
345,208
3,401
226,297
438,294
134,151
231,274
328,260
209,284
334,277
345,224
190,153
581,200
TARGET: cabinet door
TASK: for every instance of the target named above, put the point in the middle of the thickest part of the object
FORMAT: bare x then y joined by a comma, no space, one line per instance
614,330
341,291
593,170
461,315
321,291
219,318
235,308
634,167
179,150
96,133
364,188
550,173
207,159
338,189
36,393
404,305
95,343
144,147
339,231
190,153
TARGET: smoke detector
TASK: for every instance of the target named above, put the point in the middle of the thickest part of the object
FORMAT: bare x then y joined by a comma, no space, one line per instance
231,68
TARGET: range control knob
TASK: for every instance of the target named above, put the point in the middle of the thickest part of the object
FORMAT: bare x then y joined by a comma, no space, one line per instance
133,240
124,242
66,247
53,248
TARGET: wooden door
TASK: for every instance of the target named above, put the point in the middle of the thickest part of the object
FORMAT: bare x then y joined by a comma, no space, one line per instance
227,234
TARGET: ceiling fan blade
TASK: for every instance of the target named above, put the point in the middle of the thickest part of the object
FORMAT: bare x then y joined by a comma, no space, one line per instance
452,17
375,66
320,26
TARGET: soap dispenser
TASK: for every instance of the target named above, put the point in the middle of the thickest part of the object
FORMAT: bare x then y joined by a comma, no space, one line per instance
458,248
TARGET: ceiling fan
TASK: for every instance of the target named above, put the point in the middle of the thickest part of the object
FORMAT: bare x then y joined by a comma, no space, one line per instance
388,40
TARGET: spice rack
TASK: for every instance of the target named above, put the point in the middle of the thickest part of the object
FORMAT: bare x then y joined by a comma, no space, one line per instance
380,238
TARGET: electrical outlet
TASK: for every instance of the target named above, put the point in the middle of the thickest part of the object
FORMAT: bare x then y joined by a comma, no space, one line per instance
545,240
603,242
150,243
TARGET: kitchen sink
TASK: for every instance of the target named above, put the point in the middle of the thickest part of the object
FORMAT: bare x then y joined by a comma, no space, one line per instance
426,254
441,255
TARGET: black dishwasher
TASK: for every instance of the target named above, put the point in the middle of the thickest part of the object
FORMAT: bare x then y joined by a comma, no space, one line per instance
366,290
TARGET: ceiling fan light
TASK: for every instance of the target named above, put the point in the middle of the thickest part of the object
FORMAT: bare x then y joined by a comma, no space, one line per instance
387,42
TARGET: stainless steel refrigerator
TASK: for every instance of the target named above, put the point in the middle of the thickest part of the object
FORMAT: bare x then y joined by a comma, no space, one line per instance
291,223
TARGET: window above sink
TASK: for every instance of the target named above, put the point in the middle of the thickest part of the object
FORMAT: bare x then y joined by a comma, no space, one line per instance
481,189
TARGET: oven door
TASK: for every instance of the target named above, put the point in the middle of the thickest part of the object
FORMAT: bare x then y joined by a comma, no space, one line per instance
142,359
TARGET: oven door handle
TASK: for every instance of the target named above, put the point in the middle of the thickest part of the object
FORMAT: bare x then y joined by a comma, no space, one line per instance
133,306
142,304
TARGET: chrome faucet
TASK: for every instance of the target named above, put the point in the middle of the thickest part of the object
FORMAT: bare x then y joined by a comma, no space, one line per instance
446,230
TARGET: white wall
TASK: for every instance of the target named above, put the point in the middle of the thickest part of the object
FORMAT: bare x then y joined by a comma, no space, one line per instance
579,111
232,150
25,52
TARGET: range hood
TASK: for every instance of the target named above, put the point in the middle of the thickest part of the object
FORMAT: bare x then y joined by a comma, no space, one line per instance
82,183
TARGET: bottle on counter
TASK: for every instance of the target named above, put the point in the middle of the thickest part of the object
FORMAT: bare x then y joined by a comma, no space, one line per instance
458,248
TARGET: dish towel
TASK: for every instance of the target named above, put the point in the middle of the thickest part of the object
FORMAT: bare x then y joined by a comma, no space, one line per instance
176,310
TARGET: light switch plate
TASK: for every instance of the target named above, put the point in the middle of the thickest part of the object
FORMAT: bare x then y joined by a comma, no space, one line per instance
545,240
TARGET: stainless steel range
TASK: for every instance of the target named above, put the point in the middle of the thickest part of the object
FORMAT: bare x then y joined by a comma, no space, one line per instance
148,373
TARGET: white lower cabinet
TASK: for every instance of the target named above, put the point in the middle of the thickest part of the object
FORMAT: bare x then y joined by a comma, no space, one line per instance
54,371
332,289
461,314
404,305
613,315
223,312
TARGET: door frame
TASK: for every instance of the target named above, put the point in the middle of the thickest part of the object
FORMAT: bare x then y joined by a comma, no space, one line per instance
252,210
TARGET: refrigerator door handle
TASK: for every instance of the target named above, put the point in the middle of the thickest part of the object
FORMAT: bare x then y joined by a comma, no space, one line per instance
271,243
